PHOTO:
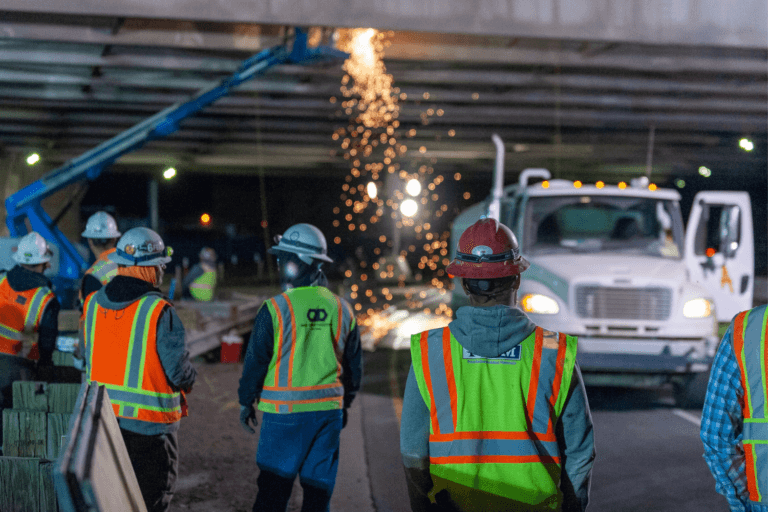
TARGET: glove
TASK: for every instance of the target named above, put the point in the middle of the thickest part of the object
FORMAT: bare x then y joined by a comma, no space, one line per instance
248,413
344,417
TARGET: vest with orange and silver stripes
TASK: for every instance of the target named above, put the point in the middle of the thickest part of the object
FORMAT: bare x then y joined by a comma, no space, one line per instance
311,326
749,344
492,420
20,312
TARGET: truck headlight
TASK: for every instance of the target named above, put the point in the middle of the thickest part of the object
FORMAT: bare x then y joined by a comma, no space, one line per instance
697,308
540,304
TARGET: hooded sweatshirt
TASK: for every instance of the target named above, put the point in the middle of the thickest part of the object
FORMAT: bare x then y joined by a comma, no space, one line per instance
490,332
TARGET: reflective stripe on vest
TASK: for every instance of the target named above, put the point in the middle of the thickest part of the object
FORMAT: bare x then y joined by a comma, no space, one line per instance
103,268
121,353
311,326
20,312
485,434
202,288
749,344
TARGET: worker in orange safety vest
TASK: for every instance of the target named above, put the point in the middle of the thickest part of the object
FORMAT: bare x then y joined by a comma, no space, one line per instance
133,344
27,305
102,235
495,415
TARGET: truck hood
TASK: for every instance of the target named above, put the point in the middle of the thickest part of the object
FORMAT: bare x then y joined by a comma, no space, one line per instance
602,266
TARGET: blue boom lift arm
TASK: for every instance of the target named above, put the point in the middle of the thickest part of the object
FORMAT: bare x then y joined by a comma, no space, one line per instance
26,203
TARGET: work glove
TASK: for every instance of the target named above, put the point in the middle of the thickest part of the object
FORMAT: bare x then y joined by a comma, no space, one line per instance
344,417
248,413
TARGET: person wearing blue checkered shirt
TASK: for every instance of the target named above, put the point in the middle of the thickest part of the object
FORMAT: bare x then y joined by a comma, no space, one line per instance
721,428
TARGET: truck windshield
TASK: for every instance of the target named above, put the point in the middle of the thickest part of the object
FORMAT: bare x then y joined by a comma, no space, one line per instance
634,225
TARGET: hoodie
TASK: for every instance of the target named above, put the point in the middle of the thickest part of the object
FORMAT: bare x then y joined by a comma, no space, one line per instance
490,332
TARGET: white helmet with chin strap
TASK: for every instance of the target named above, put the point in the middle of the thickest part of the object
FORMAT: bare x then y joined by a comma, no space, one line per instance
101,225
141,247
32,250
305,241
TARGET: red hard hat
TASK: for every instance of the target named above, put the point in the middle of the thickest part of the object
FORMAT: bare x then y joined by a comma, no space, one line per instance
487,250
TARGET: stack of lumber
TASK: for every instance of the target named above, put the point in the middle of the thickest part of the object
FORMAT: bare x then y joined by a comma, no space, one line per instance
32,437
206,322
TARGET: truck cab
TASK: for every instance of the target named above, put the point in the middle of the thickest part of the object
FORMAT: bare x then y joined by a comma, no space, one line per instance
613,265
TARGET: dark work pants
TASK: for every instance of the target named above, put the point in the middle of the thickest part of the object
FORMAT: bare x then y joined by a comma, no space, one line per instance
155,460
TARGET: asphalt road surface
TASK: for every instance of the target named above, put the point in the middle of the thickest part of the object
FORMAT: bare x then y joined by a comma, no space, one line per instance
649,454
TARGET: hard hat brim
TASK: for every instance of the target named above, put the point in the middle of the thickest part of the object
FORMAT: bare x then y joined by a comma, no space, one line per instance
487,270
160,260
294,250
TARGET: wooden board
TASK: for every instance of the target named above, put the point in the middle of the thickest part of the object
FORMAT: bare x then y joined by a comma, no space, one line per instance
20,487
46,493
58,424
25,433
62,397
94,471
30,396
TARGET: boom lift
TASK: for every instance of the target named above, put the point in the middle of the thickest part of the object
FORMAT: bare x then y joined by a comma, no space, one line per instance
26,203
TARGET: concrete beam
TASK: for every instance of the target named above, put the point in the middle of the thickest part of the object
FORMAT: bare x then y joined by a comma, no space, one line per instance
683,22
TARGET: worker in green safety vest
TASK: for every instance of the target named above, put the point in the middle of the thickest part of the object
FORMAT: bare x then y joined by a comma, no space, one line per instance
495,416
200,282
303,367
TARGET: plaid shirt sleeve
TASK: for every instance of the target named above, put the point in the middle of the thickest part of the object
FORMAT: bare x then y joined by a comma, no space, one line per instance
721,425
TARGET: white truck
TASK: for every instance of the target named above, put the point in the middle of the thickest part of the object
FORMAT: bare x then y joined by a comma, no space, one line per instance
613,265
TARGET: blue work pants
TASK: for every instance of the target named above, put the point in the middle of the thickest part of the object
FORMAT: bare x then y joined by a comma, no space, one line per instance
304,444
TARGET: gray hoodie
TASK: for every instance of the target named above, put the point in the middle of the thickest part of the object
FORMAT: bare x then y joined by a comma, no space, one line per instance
490,332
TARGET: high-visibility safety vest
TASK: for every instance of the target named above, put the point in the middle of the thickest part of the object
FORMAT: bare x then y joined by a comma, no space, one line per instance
749,344
311,326
20,312
121,353
102,269
202,288
492,420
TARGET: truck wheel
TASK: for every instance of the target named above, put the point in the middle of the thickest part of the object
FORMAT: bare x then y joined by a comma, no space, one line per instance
690,393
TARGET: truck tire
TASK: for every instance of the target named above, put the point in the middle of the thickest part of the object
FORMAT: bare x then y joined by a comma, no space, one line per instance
690,393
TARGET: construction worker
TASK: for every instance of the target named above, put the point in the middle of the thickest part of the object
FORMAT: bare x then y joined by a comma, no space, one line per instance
303,366
133,343
102,234
495,415
734,423
27,305
200,282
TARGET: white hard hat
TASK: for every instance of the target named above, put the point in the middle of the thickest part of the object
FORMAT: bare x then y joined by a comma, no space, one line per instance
32,250
101,225
141,247
304,240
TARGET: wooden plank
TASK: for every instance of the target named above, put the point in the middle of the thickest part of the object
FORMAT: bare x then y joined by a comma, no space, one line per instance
47,495
10,433
94,467
57,428
27,433
21,483
62,397
30,396
63,358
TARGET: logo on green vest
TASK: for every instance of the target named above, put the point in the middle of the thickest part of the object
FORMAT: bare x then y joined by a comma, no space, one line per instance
508,357
317,315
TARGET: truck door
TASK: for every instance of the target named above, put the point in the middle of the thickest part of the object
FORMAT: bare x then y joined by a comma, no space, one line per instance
720,249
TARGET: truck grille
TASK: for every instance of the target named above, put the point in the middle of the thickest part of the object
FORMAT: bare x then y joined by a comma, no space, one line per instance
623,303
